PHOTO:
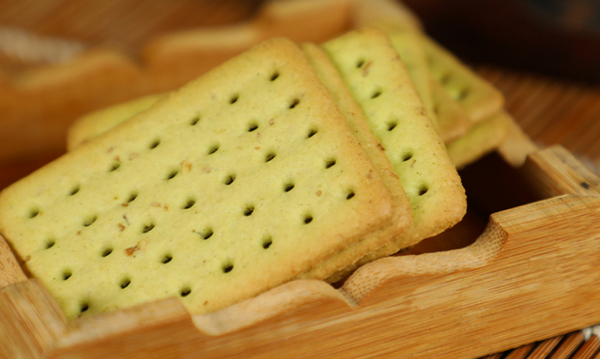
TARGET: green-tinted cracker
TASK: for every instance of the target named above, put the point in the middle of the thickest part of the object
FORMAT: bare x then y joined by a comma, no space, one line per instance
96,123
483,138
402,213
381,86
412,55
451,118
475,95
241,180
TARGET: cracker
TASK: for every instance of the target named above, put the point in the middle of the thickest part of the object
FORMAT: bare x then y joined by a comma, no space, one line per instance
223,189
411,53
402,213
479,98
381,86
96,123
483,138
451,118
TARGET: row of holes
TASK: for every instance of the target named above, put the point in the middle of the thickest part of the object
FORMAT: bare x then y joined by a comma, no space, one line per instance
445,79
423,189
183,292
228,180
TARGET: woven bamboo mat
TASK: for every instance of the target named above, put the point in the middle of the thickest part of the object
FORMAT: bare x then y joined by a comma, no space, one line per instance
583,344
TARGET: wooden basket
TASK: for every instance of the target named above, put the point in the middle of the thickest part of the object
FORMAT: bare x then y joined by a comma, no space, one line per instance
532,274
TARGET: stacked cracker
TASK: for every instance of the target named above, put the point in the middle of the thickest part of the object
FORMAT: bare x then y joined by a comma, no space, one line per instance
284,162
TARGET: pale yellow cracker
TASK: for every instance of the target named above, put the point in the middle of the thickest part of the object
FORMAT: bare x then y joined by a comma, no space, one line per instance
239,181
356,121
479,98
380,84
96,123
483,138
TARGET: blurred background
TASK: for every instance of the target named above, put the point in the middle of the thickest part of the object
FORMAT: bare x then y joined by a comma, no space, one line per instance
543,55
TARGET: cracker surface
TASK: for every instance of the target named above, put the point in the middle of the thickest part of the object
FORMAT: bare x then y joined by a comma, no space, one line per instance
236,183
382,87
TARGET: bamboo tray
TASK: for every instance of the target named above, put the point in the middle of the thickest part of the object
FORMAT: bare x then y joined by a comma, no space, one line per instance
530,275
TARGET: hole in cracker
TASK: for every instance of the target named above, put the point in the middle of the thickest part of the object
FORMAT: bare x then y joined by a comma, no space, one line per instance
115,166
132,197
311,132
376,94
330,163
33,213
83,307
74,190
106,252
463,94
166,259
124,283
350,194
445,78
154,144
49,243
436,110
195,121
147,228
229,179
360,63
185,291
89,221
172,174
189,203
407,156
267,241
274,76
252,126
307,218
212,149
248,210
423,189
227,266
288,187
269,156
234,99
294,103
391,125
66,274
206,233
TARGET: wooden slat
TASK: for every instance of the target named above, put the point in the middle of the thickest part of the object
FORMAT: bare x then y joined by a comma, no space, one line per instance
588,349
568,346
521,352
543,349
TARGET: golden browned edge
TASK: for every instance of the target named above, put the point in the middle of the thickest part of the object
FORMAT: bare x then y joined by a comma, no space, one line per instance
90,126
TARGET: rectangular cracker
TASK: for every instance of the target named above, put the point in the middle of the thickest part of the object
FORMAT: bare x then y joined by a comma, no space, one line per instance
411,53
479,98
92,125
223,189
402,213
380,84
